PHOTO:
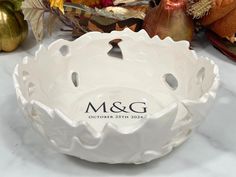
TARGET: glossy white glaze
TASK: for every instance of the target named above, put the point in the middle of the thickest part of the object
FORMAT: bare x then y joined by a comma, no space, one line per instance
210,152
54,102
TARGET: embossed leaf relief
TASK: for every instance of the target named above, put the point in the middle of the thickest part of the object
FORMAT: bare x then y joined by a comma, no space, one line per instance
139,142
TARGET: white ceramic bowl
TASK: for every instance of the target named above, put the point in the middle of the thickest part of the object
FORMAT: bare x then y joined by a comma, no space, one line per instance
97,103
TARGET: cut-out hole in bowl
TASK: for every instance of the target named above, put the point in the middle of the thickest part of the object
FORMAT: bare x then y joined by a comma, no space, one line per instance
116,50
201,75
171,81
75,79
64,50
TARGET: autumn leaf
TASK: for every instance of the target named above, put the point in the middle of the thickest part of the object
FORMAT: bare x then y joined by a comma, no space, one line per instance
34,13
57,4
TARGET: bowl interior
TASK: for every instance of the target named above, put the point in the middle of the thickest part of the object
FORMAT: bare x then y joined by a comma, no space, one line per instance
114,80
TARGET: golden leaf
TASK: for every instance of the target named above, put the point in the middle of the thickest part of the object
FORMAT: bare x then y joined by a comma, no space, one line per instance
57,4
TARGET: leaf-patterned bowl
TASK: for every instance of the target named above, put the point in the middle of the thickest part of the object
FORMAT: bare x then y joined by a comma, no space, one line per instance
119,97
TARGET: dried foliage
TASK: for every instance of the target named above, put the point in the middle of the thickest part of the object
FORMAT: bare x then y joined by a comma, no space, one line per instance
34,13
200,8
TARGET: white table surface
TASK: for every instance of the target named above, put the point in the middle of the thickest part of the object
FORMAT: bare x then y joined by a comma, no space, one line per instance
210,152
